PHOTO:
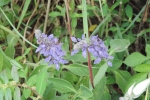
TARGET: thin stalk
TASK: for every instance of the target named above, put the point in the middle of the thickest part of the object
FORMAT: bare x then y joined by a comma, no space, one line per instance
90,69
68,23
85,21
46,17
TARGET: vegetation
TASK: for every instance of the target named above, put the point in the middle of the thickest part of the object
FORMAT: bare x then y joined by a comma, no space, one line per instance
74,50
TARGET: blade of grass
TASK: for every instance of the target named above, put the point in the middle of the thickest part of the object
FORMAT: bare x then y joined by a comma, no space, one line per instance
26,5
16,29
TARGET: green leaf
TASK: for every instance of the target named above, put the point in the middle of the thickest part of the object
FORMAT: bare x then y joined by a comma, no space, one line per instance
119,45
23,12
1,94
42,81
115,65
142,68
17,94
101,72
4,77
111,80
10,51
136,79
32,80
4,2
78,69
122,78
74,22
15,63
84,93
62,85
50,92
135,59
129,11
14,74
1,61
101,91
55,14
8,95
37,70
26,93
147,50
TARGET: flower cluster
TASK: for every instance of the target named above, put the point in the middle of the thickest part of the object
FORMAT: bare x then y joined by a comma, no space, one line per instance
94,45
50,47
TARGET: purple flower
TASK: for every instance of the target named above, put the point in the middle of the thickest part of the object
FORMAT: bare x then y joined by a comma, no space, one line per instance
50,48
94,45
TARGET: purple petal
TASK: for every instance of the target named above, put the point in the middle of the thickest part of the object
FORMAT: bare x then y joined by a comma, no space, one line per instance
57,66
74,39
83,36
74,52
109,63
38,49
84,52
48,59
79,39
97,61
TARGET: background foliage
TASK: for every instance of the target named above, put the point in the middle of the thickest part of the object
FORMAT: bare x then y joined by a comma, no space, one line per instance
122,24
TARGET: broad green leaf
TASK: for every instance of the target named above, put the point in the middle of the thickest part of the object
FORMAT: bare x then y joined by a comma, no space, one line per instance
1,94
23,12
10,51
119,45
55,14
84,93
14,74
26,93
8,94
142,68
12,39
4,77
37,70
135,59
78,69
1,61
122,78
4,2
69,76
74,22
101,72
101,91
50,92
32,80
129,11
111,80
115,65
15,63
17,94
42,81
147,50
136,79
62,85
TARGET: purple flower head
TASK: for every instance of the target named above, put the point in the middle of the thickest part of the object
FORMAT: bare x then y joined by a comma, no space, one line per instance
50,48
95,46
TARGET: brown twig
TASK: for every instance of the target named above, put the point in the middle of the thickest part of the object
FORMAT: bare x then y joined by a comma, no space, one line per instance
68,23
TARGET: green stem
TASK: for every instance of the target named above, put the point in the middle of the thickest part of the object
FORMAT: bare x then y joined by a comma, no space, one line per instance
85,21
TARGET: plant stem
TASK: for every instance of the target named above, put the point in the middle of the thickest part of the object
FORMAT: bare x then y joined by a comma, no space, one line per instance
85,22
90,69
